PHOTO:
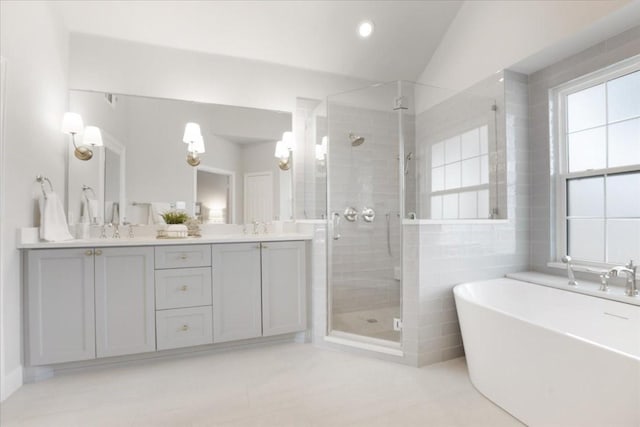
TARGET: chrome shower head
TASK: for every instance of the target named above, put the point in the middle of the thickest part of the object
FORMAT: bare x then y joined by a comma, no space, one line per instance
356,140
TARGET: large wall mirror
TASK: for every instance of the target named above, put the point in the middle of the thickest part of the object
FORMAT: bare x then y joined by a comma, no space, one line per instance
142,169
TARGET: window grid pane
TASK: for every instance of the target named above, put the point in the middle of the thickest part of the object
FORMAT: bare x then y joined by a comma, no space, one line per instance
457,164
602,130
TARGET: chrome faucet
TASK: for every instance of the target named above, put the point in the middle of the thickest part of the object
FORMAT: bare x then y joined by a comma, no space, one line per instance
630,270
116,231
572,278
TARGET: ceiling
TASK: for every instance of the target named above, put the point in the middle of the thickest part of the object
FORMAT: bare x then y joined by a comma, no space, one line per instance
315,35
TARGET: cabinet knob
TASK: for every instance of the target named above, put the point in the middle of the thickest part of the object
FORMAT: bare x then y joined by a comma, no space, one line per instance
184,288
265,246
88,252
183,257
98,252
184,328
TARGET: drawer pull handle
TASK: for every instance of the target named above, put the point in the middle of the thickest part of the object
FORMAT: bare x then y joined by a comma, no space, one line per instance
98,252
183,257
88,252
184,328
265,246
184,288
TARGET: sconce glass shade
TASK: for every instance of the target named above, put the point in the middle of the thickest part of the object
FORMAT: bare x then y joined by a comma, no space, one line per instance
282,152
72,123
92,136
191,133
197,146
195,143
287,138
321,149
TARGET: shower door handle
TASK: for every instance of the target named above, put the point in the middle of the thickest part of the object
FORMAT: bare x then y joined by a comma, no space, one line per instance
336,225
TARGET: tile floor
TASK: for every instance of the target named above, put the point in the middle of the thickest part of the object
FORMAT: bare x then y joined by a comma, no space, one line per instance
278,385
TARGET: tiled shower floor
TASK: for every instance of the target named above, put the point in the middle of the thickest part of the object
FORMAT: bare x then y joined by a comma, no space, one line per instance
374,323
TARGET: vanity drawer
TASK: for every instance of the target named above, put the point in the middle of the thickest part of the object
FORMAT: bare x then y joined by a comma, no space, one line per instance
184,327
183,256
183,287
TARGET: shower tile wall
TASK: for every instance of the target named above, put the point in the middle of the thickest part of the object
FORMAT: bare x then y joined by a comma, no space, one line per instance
364,268
439,256
615,49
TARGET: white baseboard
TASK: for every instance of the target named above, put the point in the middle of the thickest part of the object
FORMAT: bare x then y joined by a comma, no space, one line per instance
11,382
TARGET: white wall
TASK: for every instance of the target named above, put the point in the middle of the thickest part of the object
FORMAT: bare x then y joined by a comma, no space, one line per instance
486,36
35,46
109,65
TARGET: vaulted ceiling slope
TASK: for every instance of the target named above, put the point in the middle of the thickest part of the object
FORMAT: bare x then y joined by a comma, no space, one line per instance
315,35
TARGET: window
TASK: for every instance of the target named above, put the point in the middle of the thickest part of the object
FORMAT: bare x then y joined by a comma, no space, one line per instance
460,176
598,179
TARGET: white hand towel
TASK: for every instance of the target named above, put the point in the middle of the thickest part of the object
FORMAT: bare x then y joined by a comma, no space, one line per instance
53,222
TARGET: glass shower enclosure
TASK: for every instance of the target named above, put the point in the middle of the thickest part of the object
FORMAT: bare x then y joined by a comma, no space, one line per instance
395,152
366,160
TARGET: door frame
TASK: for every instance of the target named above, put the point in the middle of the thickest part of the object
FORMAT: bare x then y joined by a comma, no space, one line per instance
232,188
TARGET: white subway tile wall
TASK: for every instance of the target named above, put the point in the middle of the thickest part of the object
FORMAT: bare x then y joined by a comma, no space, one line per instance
590,154
438,257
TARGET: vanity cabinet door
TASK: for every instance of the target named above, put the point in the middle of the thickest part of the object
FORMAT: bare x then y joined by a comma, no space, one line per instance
60,305
125,309
236,292
283,288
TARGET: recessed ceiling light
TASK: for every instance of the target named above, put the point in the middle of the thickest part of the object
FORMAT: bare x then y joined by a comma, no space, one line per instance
365,29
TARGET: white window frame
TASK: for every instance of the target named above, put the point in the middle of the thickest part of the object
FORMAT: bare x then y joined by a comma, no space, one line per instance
558,118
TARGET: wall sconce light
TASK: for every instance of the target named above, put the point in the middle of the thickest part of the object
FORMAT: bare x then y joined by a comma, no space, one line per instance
72,125
284,151
321,150
195,143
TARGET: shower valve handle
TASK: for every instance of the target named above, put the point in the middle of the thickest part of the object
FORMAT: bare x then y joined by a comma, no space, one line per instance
351,214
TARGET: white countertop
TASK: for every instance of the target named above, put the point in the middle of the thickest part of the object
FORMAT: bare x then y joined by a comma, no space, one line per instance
152,241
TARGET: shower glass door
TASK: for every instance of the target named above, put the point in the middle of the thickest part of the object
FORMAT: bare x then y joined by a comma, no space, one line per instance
365,179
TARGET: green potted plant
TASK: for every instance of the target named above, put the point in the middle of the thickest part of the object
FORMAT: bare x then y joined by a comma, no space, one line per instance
175,221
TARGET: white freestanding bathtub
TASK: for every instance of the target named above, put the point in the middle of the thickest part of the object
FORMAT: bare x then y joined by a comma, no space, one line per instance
551,357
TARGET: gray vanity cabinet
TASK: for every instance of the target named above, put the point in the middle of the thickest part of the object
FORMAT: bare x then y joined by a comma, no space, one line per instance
237,311
125,308
85,303
283,288
60,305
258,289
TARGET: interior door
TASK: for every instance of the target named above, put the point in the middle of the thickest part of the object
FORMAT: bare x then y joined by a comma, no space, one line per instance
258,197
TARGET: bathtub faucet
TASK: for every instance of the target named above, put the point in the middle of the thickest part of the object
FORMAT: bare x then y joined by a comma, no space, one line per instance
572,278
630,270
